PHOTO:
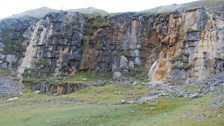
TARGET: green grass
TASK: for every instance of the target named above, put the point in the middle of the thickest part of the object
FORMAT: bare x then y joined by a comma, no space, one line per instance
192,89
5,72
166,112
102,106
86,78
113,93
57,35
95,22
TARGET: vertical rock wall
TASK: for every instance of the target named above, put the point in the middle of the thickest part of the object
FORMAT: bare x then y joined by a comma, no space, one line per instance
55,46
180,46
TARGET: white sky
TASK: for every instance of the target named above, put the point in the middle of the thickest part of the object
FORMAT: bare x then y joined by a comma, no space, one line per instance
10,7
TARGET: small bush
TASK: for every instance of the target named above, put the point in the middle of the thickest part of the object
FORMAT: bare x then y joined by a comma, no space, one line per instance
192,30
56,35
184,66
41,62
5,72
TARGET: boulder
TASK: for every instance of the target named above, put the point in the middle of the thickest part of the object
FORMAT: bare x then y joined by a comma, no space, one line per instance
117,75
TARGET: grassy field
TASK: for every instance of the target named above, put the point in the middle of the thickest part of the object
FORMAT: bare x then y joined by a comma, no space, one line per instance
166,112
113,93
41,110
102,106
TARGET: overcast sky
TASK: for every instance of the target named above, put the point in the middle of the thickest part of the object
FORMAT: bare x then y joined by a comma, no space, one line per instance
10,7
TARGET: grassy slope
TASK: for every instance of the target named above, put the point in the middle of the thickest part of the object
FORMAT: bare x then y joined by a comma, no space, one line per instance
84,78
102,107
113,93
40,110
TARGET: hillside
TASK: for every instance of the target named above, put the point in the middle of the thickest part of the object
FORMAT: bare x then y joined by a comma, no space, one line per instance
36,13
89,10
216,5
87,67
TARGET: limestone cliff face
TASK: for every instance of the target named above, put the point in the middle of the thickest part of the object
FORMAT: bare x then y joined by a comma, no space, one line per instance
12,40
198,47
119,46
54,45
182,46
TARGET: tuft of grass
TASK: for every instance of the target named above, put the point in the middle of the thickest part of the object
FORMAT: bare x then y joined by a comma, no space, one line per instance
95,22
189,30
85,78
191,89
5,72
57,35
163,105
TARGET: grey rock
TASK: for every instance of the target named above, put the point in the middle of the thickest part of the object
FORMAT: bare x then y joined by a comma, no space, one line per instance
1,47
199,118
11,58
131,64
137,61
12,99
193,96
123,62
148,99
193,36
217,103
130,102
117,75
123,101
9,87
186,114
38,92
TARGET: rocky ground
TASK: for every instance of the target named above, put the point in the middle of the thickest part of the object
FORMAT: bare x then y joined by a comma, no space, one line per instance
213,85
8,86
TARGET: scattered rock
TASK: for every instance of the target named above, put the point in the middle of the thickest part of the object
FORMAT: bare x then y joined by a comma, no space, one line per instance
55,94
8,86
148,99
131,64
134,83
196,95
123,62
84,79
37,92
123,101
130,102
215,80
217,103
117,75
59,89
199,118
12,99
186,114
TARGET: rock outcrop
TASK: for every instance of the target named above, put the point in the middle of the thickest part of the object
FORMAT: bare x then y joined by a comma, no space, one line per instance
58,89
180,46
8,86
54,45
13,41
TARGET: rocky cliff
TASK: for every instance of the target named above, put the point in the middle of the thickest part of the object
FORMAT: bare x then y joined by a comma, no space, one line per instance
179,46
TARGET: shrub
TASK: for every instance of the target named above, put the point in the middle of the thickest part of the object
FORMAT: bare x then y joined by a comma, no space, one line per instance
56,35
5,72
